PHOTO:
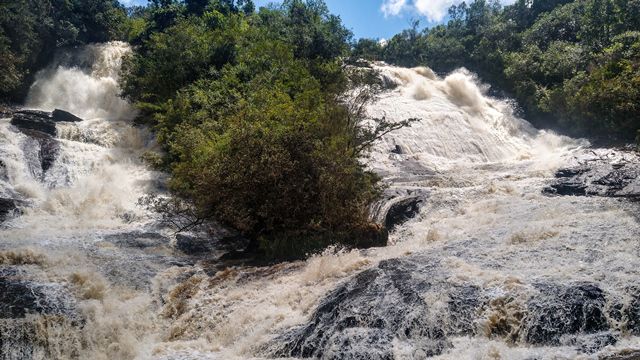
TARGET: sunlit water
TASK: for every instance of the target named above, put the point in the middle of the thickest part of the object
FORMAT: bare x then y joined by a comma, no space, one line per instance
485,219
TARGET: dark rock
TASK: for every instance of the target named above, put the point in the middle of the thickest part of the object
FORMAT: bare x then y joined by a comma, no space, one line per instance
397,150
633,311
8,208
61,115
631,354
566,189
402,210
360,344
19,298
49,148
591,344
3,170
601,172
6,111
34,120
194,245
34,113
42,121
564,173
389,304
138,239
52,329
559,310
362,317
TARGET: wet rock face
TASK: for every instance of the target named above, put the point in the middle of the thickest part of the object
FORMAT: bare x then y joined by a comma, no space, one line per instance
138,239
34,120
633,311
61,115
559,310
402,211
147,253
362,318
398,206
6,111
48,148
40,126
411,302
42,121
19,298
602,172
35,318
8,208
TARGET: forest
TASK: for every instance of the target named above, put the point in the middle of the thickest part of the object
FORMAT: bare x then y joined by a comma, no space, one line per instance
573,66
255,112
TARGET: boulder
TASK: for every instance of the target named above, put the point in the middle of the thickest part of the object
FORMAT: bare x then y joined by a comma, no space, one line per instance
19,298
62,115
402,211
600,172
591,344
42,121
3,170
138,239
34,120
381,306
564,309
194,245
49,147
8,208
413,302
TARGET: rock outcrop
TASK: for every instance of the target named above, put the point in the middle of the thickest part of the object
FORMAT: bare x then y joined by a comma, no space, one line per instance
600,172
8,208
411,302
42,121
34,120
48,148
41,127
398,206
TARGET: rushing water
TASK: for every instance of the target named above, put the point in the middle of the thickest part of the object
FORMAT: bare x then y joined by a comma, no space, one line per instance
112,284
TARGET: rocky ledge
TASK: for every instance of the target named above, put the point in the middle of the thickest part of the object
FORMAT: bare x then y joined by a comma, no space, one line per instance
411,303
42,121
40,127
600,172
8,208
32,311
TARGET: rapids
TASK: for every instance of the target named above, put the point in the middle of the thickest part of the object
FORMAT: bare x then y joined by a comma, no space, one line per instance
490,267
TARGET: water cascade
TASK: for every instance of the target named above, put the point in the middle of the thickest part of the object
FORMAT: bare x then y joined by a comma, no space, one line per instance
495,263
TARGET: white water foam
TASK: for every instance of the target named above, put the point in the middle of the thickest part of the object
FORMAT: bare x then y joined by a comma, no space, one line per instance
486,218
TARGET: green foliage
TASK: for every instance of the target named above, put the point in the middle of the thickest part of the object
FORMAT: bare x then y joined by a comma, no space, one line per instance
570,64
257,131
31,31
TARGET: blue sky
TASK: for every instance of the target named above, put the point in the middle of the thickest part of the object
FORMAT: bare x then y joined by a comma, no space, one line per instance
378,18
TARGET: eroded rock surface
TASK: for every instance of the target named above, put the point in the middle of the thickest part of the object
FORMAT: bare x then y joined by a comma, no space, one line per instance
600,172
412,303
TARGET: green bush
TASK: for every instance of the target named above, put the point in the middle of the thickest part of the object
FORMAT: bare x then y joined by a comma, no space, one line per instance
258,133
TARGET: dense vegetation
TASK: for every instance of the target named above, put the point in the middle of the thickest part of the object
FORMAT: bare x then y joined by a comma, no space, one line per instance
250,104
572,65
32,30
251,109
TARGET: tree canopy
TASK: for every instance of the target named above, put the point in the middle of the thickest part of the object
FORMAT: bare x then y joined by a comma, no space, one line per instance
571,65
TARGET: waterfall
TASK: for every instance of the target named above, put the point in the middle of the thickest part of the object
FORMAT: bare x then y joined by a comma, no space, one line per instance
97,176
490,266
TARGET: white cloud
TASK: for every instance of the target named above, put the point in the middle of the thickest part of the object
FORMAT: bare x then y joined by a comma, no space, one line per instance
433,10
393,7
